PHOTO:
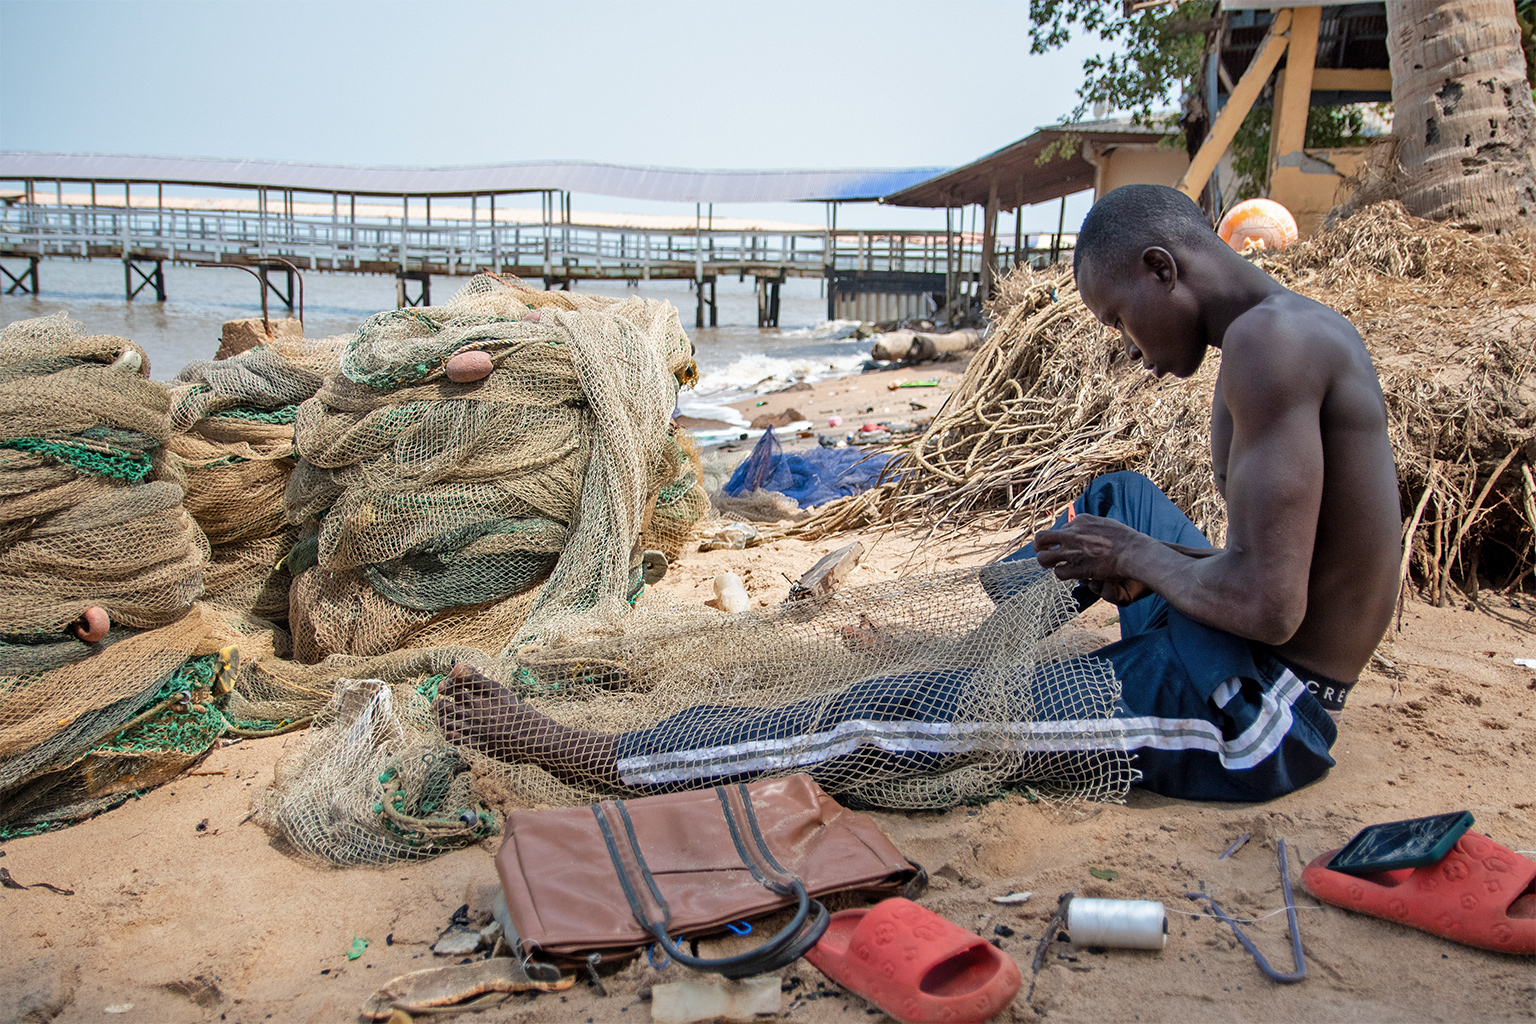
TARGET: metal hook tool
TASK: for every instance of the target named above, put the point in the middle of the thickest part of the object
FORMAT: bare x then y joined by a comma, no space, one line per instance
1300,970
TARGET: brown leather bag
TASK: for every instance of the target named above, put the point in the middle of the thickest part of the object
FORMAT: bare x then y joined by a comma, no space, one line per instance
621,875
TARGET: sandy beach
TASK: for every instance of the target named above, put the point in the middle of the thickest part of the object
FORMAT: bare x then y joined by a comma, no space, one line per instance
183,909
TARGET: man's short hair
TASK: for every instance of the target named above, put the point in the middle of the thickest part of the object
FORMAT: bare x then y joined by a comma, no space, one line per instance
1130,219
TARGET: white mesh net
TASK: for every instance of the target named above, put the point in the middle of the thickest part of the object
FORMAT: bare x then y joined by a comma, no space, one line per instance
920,693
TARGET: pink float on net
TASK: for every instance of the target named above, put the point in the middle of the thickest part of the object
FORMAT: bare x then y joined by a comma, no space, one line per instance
469,366
92,625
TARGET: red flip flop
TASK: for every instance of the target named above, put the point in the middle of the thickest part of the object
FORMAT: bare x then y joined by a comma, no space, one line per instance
1480,894
915,965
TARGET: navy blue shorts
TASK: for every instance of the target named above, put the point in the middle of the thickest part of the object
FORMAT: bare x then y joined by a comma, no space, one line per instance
1205,714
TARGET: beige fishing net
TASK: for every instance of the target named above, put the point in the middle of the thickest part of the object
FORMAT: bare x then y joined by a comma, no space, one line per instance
464,560
233,449
82,518
920,693
86,523
486,511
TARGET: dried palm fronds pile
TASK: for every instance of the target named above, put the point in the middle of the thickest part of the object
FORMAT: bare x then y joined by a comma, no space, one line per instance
1051,401
1450,320
1048,403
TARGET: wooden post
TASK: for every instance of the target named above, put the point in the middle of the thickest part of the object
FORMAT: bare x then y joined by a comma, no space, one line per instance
1288,132
989,243
548,210
1238,105
949,256
1018,233
698,256
1293,87
1061,222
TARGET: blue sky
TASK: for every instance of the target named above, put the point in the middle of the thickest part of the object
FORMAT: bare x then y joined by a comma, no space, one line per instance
739,84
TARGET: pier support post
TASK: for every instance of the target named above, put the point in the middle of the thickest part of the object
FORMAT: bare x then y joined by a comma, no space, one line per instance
20,282
402,292
153,279
707,281
768,300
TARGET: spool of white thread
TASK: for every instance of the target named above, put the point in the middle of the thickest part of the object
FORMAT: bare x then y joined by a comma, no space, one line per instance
1123,924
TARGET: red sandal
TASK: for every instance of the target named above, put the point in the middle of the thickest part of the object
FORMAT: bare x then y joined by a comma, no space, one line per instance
1480,894
915,965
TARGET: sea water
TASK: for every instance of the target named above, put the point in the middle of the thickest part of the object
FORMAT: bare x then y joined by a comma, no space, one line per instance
735,358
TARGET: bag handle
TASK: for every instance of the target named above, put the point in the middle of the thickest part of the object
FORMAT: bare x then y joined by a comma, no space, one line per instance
803,931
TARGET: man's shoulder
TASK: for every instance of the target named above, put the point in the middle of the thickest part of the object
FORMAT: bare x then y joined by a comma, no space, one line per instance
1285,351
1289,339
1286,320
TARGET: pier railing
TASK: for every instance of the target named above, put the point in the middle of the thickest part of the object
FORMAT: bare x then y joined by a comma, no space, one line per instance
457,247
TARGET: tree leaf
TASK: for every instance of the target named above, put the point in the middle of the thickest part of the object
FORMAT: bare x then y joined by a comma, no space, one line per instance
1108,874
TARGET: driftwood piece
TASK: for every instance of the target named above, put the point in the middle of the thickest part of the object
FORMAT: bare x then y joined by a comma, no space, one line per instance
922,346
825,575
423,991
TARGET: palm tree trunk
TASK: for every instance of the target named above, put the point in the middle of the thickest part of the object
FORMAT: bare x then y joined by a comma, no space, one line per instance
1463,114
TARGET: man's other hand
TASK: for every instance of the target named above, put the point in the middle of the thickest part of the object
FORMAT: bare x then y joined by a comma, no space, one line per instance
1119,592
1092,548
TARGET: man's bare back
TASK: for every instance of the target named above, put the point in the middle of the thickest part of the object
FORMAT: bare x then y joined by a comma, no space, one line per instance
1352,577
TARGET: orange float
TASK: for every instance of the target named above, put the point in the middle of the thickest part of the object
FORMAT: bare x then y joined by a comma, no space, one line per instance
1260,223
92,625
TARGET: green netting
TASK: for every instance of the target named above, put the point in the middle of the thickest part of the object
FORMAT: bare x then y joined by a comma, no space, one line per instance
86,454
189,732
428,686
477,563
37,828
287,414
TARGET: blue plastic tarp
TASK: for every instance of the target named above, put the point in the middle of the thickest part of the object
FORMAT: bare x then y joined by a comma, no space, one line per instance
811,477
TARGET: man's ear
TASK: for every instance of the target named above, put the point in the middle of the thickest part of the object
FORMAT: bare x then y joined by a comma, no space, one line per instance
1161,262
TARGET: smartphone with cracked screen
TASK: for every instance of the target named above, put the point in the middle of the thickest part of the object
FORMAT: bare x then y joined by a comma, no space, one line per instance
1391,845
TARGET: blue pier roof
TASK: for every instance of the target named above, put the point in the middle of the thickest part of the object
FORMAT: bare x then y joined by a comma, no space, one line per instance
630,182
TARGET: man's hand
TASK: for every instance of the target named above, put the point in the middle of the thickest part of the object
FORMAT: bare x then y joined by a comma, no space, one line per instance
1093,548
1119,592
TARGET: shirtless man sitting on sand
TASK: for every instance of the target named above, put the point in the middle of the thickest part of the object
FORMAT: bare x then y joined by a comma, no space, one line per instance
1233,662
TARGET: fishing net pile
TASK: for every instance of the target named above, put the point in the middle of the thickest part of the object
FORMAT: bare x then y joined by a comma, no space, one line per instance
918,693
86,523
232,438
483,512
1051,401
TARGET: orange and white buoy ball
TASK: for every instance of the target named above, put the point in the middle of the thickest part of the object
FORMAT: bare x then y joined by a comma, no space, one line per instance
1257,223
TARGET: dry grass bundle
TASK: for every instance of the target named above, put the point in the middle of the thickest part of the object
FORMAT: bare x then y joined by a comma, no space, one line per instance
1051,401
